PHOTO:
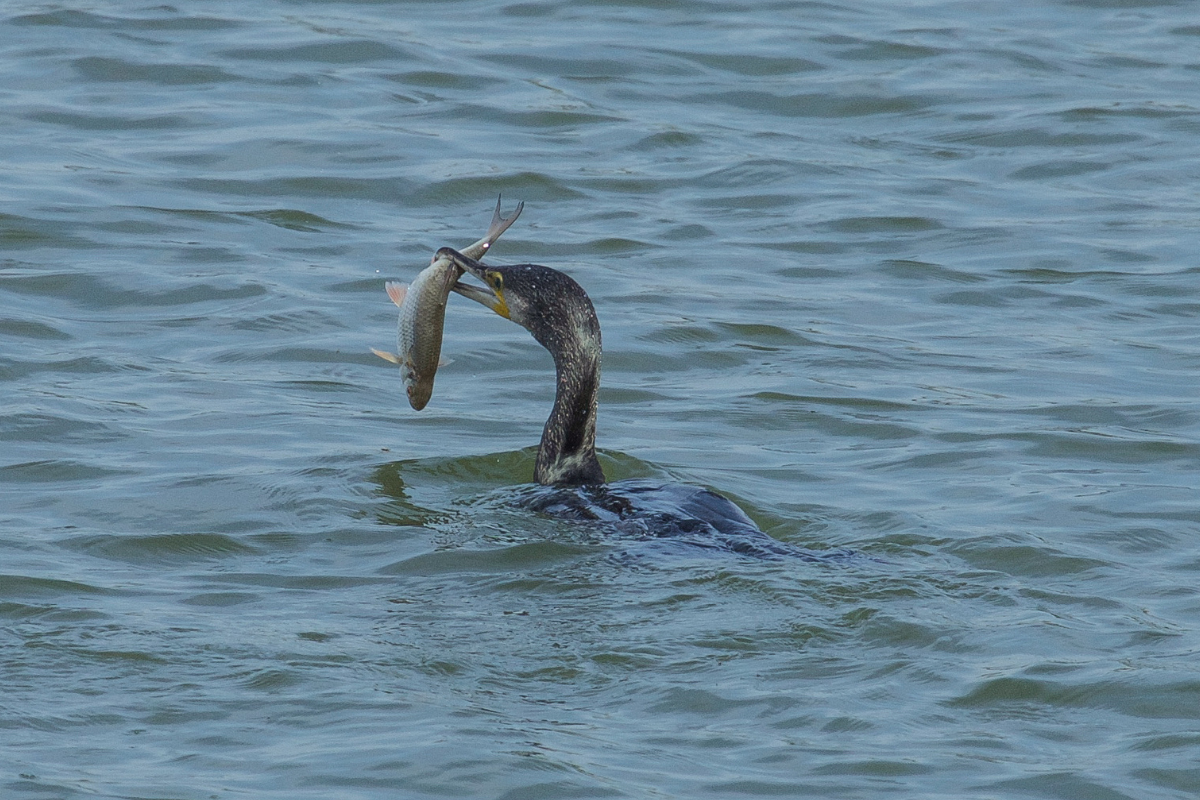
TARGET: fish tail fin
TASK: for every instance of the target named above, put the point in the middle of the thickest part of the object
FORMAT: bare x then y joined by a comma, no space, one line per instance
396,291
386,356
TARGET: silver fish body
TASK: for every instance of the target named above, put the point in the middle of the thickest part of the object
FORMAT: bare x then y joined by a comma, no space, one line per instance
419,328
423,314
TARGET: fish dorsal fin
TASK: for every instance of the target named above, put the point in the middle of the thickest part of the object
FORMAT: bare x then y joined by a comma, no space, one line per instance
396,291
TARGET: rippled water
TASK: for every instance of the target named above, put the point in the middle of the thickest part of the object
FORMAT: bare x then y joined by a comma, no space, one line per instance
916,279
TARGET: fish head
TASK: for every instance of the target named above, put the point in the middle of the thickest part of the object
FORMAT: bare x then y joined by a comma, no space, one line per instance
419,391
418,395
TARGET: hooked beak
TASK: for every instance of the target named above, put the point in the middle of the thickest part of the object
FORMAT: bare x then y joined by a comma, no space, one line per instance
484,295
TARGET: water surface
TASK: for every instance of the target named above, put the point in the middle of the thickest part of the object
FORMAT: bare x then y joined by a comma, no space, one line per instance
912,279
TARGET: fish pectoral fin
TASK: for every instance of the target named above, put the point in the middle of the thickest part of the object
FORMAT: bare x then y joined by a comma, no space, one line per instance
386,356
444,361
396,291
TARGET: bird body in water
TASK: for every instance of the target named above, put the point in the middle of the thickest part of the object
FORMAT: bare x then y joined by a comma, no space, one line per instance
559,314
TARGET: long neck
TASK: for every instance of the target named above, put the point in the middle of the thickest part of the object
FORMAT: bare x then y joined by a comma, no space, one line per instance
567,455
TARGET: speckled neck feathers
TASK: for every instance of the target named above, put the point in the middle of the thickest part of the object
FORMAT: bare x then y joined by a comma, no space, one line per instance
559,314
562,319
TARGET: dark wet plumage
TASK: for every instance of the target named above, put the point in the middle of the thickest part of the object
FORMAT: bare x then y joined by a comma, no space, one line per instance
666,514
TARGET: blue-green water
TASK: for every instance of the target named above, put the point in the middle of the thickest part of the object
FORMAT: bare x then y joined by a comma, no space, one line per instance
917,279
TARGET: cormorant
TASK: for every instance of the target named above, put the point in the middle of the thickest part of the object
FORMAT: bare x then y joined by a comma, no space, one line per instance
560,315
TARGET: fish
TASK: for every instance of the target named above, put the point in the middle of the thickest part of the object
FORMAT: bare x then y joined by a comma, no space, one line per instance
422,307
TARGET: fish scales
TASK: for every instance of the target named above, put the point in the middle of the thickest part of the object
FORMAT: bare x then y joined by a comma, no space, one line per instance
423,314
419,328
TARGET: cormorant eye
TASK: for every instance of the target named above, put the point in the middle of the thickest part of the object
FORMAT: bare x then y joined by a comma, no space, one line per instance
497,281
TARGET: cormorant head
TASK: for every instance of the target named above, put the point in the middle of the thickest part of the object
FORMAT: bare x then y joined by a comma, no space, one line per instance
544,301
558,313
